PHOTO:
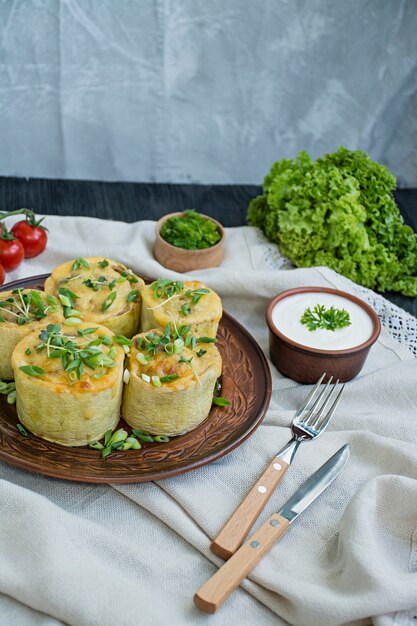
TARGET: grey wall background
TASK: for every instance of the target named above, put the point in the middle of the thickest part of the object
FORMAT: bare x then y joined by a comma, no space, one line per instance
209,91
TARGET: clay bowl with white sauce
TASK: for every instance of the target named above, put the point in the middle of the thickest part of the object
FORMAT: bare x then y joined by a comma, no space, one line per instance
303,354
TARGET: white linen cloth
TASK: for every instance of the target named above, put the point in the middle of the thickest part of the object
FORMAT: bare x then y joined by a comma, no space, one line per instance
98,555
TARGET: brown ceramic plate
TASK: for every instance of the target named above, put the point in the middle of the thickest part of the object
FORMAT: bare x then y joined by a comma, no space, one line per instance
246,381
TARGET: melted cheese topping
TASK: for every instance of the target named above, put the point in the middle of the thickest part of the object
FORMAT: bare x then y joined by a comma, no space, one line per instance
209,307
163,364
55,374
90,301
10,312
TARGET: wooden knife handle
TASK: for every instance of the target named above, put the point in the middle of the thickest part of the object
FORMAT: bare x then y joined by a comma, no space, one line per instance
219,587
235,530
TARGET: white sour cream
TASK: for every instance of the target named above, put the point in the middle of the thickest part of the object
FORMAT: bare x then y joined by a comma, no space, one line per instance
287,313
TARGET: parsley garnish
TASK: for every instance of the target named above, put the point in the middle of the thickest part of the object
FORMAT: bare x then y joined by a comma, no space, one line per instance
329,319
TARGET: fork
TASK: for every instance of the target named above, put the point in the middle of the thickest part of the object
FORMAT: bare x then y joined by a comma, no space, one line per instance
308,423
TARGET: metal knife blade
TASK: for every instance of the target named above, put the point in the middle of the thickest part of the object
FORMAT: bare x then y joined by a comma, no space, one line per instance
315,485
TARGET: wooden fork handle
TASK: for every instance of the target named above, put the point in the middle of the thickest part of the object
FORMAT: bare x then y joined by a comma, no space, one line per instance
219,587
235,530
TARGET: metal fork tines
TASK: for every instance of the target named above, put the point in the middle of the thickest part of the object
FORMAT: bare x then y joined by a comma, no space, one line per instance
311,422
311,419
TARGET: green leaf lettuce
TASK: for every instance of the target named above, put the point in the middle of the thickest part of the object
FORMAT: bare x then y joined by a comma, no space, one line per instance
339,211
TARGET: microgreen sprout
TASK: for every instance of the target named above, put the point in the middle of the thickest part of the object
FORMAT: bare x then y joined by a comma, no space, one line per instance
168,289
78,263
185,309
74,356
189,362
24,306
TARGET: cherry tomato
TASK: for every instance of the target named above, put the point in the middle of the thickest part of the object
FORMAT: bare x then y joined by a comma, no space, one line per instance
2,274
12,252
32,236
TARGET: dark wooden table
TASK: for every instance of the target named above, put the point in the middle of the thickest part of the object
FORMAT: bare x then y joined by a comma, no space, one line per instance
130,202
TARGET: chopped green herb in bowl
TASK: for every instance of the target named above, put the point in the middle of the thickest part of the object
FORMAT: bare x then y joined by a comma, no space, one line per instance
190,231
188,241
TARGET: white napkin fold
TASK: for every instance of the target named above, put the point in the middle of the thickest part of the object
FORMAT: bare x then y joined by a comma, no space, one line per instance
135,554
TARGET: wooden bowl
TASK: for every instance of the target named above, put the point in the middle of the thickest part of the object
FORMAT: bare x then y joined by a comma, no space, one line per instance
305,364
181,260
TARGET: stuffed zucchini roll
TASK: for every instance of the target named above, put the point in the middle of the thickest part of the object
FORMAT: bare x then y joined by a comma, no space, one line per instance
179,302
69,382
100,291
20,310
172,378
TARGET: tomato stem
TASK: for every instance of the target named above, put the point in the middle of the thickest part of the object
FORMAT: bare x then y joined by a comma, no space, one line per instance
4,214
29,214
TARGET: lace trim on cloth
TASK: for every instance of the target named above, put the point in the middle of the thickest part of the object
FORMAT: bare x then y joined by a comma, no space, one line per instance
402,326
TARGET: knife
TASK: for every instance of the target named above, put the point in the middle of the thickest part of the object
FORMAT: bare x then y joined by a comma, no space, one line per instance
219,587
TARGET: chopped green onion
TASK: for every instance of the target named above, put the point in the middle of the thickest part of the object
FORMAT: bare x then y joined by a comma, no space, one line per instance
11,397
72,313
156,381
126,376
72,321
161,439
168,378
96,445
134,443
106,452
219,401
178,345
206,340
122,340
32,370
65,300
21,429
87,331
107,436
108,301
141,358
142,436
117,436
146,378
132,295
